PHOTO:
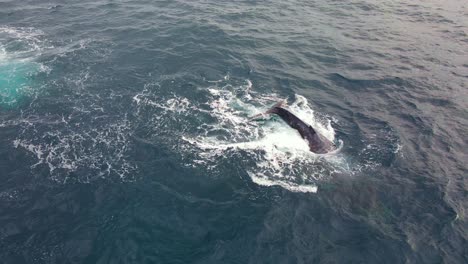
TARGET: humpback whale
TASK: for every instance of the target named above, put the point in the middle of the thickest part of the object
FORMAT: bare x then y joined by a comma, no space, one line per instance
317,142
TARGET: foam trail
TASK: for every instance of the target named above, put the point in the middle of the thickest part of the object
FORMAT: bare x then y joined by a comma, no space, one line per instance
264,181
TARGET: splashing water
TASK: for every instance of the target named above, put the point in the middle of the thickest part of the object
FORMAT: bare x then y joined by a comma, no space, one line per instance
272,153
281,156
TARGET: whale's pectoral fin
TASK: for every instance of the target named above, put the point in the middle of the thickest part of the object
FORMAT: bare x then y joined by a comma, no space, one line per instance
269,111
256,116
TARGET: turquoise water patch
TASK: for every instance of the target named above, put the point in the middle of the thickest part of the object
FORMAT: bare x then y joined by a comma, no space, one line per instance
16,81
19,50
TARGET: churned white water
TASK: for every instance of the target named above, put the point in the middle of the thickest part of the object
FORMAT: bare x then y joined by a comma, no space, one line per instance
277,154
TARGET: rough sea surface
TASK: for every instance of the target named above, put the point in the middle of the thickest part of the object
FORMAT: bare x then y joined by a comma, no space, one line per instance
125,133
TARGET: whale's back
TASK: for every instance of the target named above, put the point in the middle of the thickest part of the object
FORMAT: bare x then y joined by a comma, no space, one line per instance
317,142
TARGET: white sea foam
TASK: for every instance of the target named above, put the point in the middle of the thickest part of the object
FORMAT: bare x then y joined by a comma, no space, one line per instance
19,49
265,181
93,152
28,44
31,41
3,54
77,144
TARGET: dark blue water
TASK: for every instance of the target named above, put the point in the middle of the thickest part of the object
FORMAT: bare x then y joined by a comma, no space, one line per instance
124,132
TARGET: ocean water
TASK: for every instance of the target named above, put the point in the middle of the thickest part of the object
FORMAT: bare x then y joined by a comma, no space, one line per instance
125,133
